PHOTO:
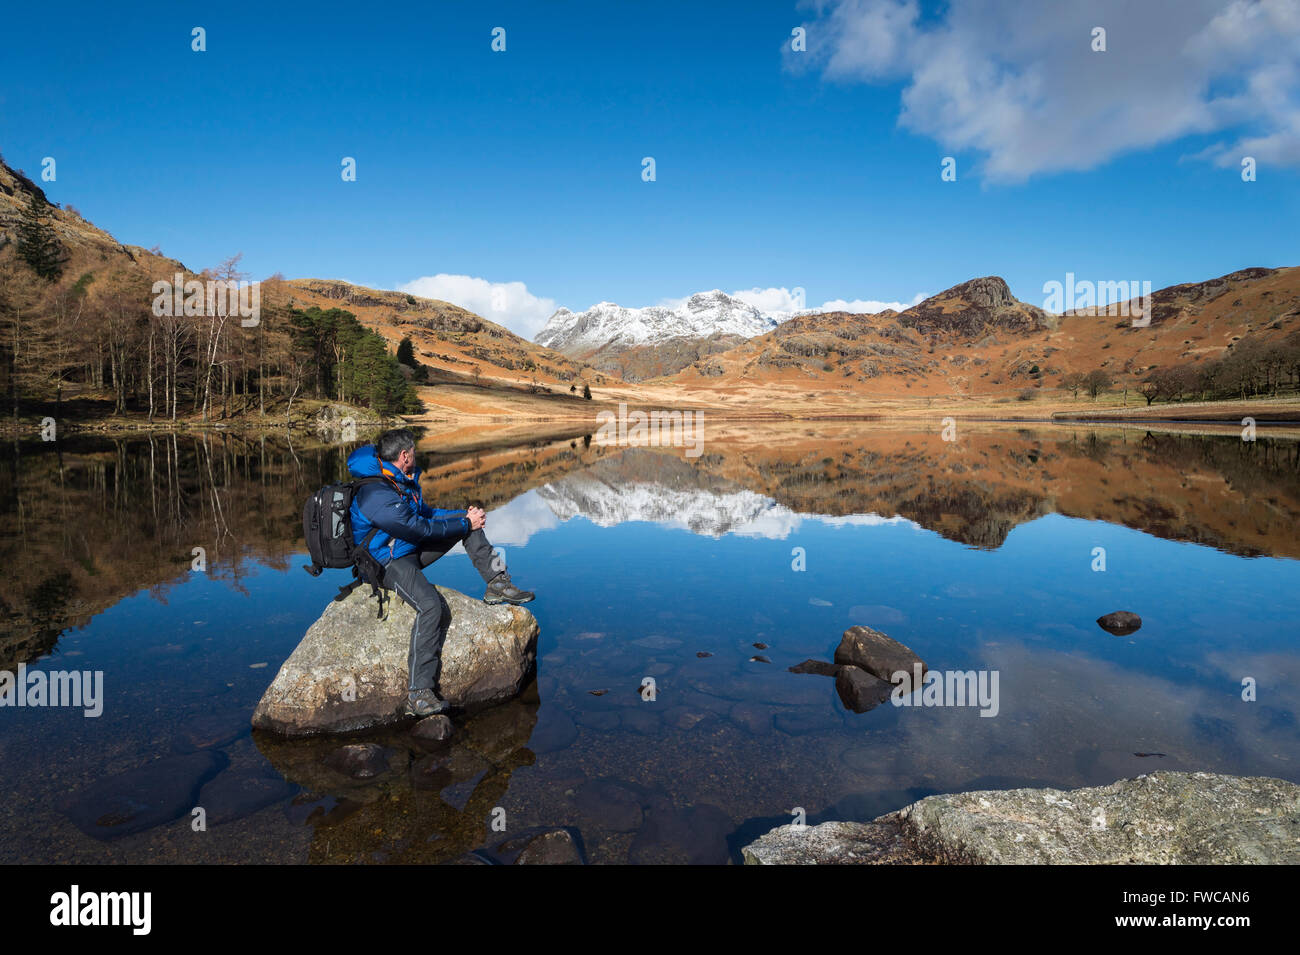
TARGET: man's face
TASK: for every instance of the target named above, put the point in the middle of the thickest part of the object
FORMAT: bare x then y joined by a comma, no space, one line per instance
406,462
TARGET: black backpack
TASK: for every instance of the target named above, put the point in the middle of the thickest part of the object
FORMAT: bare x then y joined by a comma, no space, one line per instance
327,525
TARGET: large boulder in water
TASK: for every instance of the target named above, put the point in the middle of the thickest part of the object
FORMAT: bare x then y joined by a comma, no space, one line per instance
878,654
350,671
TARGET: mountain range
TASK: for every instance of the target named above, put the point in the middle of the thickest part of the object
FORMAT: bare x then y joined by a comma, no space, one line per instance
975,339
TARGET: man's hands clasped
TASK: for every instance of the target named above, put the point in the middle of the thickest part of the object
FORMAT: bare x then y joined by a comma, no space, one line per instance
477,518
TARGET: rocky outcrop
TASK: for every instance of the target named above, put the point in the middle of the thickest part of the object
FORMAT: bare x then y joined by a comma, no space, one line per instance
350,672
975,309
1159,819
833,843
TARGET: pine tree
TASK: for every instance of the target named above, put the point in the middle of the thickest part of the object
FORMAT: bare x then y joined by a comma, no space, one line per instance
406,352
38,246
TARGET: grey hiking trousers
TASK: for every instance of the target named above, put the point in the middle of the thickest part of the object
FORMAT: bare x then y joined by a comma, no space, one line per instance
406,576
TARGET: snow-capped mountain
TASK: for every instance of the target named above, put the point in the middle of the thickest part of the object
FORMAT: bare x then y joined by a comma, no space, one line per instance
707,512
609,326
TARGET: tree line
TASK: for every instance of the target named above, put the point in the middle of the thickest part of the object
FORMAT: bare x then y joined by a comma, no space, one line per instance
1248,368
84,326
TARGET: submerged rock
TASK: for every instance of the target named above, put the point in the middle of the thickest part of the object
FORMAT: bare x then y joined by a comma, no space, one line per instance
817,667
210,731
1161,818
350,672
1120,623
433,728
156,793
880,655
235,795
359,760
532,847
607,804
555,847
670,835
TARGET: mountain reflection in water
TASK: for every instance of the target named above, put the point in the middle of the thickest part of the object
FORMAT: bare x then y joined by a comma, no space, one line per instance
977,553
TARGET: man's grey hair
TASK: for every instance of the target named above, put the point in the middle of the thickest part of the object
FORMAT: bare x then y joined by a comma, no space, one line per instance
392,443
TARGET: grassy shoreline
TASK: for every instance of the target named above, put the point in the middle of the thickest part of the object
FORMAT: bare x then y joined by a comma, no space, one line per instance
526,417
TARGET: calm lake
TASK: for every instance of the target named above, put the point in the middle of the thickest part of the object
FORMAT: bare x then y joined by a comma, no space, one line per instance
979,554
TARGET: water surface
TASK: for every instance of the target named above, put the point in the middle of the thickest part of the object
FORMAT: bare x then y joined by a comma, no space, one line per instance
978,554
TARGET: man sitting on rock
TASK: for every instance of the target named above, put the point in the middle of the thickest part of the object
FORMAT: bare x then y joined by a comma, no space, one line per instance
411,536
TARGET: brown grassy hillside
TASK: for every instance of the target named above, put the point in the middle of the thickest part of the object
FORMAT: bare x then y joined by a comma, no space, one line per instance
976,341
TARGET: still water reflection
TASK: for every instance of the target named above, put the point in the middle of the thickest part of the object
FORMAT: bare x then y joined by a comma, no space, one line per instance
978,554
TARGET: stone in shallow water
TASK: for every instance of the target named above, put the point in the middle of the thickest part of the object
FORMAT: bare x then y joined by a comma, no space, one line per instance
234,795
859,691
605,804
816,667
696,835
320,812
350,670
431,772
210,730
359,760
139,799
554,847
433,728
1120,623
880,655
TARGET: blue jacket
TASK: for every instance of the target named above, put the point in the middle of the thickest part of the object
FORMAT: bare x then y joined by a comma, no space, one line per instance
396,506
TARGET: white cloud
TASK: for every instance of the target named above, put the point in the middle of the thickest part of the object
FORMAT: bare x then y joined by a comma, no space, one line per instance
861,307
515,522
506,303
1020,84
772,300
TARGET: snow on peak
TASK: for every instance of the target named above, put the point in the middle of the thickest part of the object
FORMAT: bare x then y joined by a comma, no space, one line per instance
608,324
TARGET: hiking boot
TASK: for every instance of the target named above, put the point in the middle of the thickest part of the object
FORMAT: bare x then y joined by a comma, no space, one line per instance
500,590
425,703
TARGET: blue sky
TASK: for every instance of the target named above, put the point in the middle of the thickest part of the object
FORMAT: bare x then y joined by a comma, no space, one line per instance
775,169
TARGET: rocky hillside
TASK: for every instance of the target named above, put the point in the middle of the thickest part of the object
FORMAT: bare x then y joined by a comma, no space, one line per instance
88,247
977,338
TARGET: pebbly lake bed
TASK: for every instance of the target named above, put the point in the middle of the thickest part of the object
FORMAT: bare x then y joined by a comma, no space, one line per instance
712,574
